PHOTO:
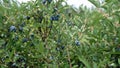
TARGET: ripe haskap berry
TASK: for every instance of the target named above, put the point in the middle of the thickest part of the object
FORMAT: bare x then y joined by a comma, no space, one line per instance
77,42
58,41
117,49
57,48
44,1
4,44
23,24
55,10
16,38
28,17
20,28
51,57
62,47
31,44
20,60
25,40
54,18
32,36
50,26
12,29
12,65
40,19
49,1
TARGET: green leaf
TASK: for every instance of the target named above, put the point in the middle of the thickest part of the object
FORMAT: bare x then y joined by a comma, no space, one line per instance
40,47
84,61
95,3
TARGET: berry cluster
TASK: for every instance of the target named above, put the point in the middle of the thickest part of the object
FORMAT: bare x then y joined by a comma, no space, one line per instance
55,17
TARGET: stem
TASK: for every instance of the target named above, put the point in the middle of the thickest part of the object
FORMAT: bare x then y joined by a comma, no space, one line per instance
69,58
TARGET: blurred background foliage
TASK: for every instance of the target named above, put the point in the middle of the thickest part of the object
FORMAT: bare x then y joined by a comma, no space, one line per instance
47,34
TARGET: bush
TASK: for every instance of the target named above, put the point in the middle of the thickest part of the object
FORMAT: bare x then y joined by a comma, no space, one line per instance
46,34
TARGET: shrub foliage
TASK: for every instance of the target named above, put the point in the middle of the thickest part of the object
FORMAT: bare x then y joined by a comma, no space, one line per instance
48,34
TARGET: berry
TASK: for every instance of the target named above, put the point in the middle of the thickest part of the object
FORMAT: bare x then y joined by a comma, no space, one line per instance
117,49
44,1
77,42
31,44
16,38
51,57
28,17
55,10
4,44
12,65
54,18
57,48
58,41
12,28
23,24
40,19
20,59
49,1
20,28
32,36
50,26
24,40
62,47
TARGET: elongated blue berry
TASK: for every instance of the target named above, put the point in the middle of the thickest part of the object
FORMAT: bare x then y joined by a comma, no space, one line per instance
77,42
20,28
25,40
12,29
44,1
49,1
28,17
55,18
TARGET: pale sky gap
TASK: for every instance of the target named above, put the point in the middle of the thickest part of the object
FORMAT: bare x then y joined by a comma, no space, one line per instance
75,3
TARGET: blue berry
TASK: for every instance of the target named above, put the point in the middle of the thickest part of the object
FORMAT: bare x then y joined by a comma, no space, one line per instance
25,40
55,10
20,28
28,17
4,44
49,1
32,35
58,41
54,18
50,26
31,44
12,65
16,38
51,57
57,48
44,1
117,49
21,59
12,28
58,15
23,24
62,47
77,42
40,19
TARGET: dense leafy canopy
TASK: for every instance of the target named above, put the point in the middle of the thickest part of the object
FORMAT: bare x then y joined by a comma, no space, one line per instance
46,34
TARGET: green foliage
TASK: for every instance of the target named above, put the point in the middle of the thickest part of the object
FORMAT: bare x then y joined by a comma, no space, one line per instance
46,34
